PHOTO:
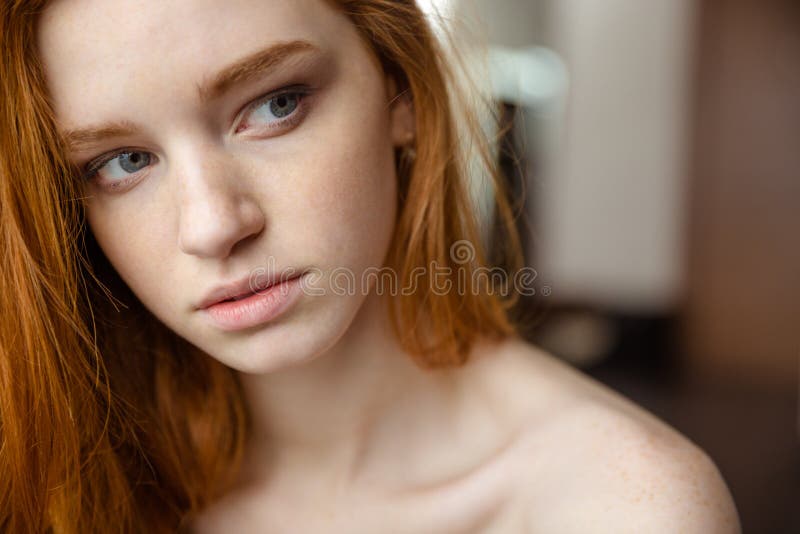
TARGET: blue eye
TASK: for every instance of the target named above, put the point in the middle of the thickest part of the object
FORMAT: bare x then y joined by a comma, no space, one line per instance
120,166
282,106
277,111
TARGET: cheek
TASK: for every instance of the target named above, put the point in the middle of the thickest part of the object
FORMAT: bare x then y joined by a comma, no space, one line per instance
347,184
135,250
352,203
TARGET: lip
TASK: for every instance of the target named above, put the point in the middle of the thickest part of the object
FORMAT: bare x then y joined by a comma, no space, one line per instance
244,286
260,307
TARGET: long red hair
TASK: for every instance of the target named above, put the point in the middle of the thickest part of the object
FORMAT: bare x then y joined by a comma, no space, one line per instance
110,421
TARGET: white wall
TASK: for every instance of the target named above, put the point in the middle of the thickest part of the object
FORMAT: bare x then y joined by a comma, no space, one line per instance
609,206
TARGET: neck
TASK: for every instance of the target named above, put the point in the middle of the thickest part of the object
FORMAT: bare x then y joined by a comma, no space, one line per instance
331,414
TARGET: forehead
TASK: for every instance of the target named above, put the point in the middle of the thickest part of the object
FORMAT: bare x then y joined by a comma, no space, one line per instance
117,48
94,28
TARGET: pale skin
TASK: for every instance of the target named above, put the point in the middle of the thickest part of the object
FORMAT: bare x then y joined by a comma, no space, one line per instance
349,435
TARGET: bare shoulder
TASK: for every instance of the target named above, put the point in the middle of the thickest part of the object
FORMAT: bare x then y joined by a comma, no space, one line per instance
597,462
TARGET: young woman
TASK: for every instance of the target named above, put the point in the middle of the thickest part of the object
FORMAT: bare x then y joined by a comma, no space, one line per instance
208,351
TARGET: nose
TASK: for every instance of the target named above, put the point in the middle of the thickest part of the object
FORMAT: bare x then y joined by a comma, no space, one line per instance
216,212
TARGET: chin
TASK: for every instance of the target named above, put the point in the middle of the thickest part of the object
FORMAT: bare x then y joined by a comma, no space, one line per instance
295,340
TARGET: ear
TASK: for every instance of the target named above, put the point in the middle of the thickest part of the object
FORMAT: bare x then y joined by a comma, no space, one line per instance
402,117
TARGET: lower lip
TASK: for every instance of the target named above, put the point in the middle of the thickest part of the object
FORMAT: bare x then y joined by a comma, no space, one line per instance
261,308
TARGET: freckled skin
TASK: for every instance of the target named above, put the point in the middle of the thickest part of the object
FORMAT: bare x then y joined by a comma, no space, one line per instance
319,196
349,436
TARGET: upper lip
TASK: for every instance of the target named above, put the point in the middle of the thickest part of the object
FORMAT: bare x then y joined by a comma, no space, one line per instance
245,286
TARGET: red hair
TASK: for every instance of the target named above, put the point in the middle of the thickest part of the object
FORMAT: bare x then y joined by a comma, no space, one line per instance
109,418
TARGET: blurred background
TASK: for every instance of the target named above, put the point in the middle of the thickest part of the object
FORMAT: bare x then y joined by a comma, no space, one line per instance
654,149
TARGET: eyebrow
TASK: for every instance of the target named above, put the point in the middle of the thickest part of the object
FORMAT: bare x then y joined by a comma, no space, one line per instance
252,66
248,68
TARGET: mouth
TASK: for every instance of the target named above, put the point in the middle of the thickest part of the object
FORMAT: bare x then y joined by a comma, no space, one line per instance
248,309
244,295
242,290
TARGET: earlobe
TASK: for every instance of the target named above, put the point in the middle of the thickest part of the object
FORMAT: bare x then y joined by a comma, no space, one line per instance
403,120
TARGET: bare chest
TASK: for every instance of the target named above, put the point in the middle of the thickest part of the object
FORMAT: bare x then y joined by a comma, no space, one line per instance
485,502
437,512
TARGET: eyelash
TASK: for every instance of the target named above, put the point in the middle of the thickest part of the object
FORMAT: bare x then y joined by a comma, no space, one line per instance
91,169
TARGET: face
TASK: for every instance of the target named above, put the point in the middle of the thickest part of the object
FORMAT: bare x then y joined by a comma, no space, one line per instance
229,141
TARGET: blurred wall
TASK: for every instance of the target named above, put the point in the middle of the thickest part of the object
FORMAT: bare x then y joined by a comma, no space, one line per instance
612,209
743,312
608,199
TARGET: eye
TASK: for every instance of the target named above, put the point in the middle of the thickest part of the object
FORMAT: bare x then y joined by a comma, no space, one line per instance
116,169
275,112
